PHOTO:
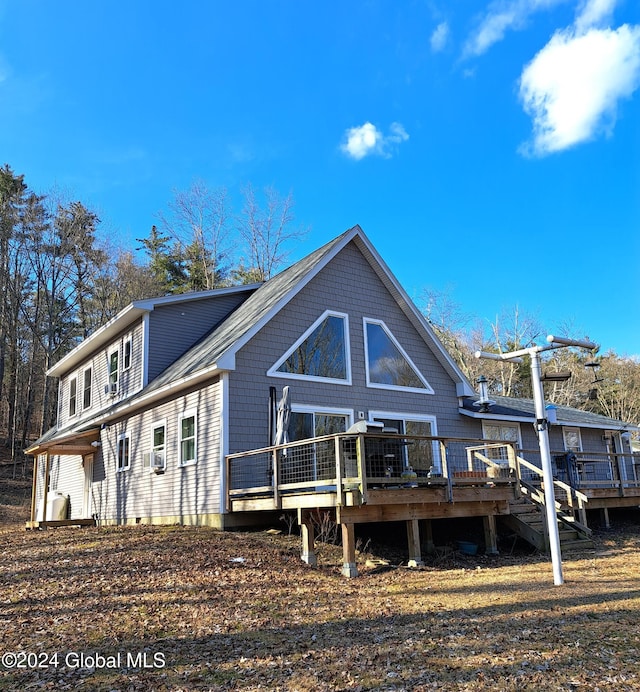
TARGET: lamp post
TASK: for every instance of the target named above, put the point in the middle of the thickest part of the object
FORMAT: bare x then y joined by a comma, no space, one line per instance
542,428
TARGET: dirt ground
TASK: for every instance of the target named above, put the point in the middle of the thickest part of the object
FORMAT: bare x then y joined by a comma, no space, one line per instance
172,608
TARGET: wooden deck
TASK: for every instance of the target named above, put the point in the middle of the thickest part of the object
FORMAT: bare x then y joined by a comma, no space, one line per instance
366,477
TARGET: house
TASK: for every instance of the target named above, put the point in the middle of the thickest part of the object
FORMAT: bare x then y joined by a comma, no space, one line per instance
154,406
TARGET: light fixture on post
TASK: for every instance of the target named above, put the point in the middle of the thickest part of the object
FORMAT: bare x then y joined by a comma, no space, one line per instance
542,427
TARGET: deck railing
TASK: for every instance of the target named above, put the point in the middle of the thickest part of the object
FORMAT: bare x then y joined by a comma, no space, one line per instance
366,461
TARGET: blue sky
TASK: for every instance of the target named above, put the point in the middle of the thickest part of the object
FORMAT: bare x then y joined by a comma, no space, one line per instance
490,150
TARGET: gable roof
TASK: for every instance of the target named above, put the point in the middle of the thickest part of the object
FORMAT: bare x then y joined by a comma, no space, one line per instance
217,350
523,410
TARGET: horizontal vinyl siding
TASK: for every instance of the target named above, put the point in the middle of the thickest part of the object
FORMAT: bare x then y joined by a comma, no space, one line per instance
173,329
347,285
129,381
67,476
181,491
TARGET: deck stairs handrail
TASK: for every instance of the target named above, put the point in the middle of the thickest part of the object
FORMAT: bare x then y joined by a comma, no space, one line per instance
575,499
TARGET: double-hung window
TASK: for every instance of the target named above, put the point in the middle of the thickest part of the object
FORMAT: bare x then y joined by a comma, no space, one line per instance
188,438
126,354
87,380
114,358
157,459
73,396
123,461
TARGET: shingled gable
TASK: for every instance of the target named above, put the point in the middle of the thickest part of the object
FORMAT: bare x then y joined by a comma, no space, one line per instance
217,351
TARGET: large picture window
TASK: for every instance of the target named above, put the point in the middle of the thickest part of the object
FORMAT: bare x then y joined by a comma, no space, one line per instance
321,353
387,364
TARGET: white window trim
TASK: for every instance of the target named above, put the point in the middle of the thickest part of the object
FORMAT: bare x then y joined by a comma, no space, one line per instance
127,342
123,436
571,428
418,418
188,413
325,411
76,408
378,385
273,370
117,371
84,372
502,424
154,426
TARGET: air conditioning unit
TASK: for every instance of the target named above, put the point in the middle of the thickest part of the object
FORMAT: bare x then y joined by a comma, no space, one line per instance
154,461
113,388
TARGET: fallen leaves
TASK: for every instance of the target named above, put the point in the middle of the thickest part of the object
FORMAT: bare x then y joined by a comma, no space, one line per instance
240,611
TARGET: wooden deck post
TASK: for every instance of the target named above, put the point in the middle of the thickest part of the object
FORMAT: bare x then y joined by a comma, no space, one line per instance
490,534
430,546
349,568
47,471
307,533
605,517
413,539
34,488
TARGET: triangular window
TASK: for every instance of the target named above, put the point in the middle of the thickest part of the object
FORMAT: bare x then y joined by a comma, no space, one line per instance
322,352
388,365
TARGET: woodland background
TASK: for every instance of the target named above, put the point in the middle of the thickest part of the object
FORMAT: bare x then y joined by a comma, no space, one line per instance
62,277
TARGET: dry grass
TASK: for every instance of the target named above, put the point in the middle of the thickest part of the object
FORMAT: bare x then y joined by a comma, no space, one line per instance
240,611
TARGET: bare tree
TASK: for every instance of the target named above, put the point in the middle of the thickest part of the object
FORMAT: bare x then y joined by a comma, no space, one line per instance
198,221
266,232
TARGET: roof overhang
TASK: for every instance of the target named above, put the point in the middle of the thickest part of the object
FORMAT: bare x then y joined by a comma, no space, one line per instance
70,444
524,418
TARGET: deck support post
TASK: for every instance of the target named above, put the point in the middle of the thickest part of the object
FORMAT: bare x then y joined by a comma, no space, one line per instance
413,540
430,546
490,534
349,568
308,536
604,514
34,488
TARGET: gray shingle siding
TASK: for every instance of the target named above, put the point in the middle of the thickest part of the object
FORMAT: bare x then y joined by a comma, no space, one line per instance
335,289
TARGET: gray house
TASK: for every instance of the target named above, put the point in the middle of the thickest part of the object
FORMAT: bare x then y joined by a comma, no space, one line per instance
153,406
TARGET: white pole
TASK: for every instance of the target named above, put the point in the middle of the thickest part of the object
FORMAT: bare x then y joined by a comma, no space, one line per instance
542,426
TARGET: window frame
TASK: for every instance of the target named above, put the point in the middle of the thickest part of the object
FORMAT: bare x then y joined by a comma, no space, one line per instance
154,448
127,354
85,389
381,385
274,372
73,396
323,411
123,453
436,466
188,413
113,376
571,429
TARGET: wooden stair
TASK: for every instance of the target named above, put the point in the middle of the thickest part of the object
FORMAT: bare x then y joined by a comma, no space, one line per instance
528,520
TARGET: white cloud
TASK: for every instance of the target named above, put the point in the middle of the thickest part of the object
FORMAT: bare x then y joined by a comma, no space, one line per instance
572,87
367,139
439,37
592,13
502,16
